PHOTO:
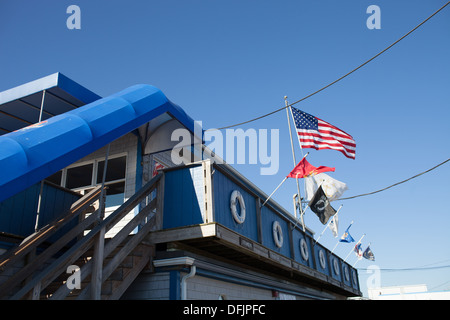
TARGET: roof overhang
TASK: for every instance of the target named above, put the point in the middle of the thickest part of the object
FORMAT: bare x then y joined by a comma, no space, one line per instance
33,153
55,94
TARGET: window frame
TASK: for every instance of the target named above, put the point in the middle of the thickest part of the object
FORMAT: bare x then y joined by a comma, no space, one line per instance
94,174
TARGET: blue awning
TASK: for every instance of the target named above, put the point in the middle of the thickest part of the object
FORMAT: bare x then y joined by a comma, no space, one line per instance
21,106
35,152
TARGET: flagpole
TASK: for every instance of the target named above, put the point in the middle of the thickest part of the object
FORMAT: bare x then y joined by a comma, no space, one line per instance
355,246
302,212
340,241
307,206
293,158
328,224
274,191
285,178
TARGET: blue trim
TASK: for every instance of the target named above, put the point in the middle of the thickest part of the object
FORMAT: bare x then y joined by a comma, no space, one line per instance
174,285
76,90
33,153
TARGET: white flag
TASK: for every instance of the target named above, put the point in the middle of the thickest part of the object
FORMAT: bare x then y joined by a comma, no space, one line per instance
333,225
333,188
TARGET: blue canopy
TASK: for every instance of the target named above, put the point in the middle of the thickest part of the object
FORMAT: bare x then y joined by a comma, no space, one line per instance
35,152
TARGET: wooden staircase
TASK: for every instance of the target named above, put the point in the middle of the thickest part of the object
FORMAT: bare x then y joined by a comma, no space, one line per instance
105,267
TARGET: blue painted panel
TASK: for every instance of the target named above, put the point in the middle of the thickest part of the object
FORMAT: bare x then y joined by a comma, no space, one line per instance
346,274
18,213
182,204
322,261
267,219
223,187
297,236
354,278
335,267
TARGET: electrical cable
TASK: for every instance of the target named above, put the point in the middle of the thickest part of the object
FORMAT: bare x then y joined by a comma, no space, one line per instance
339,79
396,184
406,269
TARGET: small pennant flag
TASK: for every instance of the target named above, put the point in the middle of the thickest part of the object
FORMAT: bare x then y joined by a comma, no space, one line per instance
304,169
358,251
346,237
333,188
368,254
320,205
333,225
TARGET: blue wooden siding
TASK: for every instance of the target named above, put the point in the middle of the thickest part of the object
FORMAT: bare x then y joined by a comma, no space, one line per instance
297,236
223,187
268,217
183,197
183,206
326,268
18,213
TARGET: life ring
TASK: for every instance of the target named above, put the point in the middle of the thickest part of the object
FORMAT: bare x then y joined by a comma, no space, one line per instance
322,259
277,234
236,195
346,274
354,277
304,249
336,266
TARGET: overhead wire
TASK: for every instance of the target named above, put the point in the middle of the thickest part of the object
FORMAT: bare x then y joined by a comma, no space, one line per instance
396,184
406,269
339,79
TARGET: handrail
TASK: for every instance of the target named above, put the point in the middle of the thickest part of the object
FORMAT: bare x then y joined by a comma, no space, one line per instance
37,238
40,280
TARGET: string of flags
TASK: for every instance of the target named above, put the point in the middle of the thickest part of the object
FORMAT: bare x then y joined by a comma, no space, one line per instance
320,188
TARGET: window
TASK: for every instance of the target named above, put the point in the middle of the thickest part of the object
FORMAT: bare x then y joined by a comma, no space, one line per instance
82,178
115,169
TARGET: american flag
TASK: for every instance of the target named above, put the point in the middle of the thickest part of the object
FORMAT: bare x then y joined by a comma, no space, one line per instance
318,134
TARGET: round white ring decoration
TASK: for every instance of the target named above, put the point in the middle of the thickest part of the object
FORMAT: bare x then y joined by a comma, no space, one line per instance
237,196
336,266
354,277
277,234
322,259
304,249
346,274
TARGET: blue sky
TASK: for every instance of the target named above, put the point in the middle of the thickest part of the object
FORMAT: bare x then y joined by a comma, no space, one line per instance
229,61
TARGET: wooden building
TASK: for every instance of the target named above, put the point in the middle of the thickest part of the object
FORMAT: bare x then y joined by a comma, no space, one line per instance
144,227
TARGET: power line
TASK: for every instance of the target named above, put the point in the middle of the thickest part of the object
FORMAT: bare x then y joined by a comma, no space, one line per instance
405,269
396,184
339,79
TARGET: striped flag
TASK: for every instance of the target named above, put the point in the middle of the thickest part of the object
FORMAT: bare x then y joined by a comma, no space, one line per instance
318,134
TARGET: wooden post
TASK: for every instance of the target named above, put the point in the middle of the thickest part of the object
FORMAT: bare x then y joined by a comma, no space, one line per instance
159,218
97,268
207,178
99,244
258,220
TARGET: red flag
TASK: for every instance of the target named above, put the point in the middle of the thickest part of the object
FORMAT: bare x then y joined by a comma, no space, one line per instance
305,169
